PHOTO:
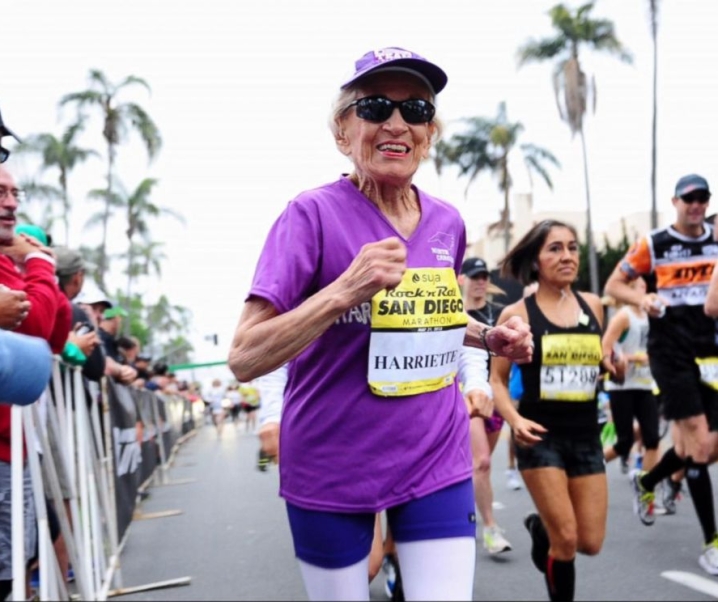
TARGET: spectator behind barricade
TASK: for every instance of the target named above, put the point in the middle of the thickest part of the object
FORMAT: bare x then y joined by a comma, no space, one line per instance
70,268
128,347
38,236
110,326
160,378
27,266
171,387
142,365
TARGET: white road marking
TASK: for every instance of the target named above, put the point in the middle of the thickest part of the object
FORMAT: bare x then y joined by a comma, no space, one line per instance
700,584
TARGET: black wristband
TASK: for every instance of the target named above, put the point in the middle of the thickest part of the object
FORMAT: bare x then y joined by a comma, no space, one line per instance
482,339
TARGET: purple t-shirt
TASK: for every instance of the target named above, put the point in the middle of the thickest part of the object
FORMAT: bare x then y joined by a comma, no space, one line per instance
344,449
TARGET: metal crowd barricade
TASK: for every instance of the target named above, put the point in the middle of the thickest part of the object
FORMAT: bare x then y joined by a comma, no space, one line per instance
84,448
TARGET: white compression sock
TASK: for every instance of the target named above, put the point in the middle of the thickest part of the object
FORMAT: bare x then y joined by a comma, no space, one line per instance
348,583
438,569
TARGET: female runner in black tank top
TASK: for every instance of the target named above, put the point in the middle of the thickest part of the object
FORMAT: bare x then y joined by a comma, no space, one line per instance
556,425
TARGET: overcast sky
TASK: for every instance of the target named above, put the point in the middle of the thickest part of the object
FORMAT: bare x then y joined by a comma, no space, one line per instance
241,93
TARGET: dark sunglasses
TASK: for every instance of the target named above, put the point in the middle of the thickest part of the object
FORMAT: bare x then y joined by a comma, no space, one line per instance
701,197
4,154
378,109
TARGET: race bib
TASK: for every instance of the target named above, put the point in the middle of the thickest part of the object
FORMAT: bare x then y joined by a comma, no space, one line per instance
417,330
639,375
569,366
708,367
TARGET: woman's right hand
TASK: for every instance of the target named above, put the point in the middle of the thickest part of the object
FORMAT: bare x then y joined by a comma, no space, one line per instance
527,432
86,342
378,265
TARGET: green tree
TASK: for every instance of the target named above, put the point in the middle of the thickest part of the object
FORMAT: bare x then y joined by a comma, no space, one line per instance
147,257
485,145
119,118
62,154
138,207
166,322
572,89
44,196
608,258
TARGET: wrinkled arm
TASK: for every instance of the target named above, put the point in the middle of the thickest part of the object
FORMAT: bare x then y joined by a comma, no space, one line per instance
265,339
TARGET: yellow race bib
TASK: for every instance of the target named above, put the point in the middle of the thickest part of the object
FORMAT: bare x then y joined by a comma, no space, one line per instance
417,330
569,366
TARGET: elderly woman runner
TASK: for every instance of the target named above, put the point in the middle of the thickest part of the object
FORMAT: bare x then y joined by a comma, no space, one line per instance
356,287
555,427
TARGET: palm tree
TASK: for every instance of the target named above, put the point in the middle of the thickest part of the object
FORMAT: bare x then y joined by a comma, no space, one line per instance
485,146
63,154
118,118
47,195
147,258
572,89
169,320
138,208
653,5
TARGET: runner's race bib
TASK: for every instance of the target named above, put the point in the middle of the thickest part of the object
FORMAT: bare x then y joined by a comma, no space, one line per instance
708,367
639,375
569,366
417,331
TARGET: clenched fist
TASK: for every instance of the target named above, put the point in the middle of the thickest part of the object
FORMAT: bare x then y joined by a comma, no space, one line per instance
14,308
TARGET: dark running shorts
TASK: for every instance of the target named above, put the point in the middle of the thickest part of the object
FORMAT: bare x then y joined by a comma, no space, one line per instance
335,540
684,395
578,457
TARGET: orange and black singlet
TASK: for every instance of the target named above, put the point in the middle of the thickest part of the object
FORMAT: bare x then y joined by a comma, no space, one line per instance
682,267
560,382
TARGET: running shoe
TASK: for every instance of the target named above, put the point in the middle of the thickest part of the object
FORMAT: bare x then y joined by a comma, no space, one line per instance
671,494
513,479
389,569
643,500
709,558
263,461
494,540
638,462
624,466
539,540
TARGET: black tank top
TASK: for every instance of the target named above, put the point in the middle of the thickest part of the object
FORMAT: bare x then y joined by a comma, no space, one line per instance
560,382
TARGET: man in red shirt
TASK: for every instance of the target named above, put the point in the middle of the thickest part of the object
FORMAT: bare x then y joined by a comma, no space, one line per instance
27,266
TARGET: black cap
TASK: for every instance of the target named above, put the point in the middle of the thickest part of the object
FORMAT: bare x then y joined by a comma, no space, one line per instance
6,131
473,266
690,183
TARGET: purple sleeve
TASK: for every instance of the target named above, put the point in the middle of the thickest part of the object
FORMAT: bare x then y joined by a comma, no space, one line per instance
286,272
460,250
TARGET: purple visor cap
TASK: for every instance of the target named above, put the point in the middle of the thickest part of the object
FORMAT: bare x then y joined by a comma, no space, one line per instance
400,60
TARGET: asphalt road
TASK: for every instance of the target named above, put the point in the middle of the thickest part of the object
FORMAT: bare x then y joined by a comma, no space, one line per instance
232,540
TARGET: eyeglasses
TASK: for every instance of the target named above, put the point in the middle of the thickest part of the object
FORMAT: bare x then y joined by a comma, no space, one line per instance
378,109
4,154
16,192
479,276
700,196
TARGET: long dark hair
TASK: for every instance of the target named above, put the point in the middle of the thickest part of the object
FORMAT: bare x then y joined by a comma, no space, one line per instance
521,261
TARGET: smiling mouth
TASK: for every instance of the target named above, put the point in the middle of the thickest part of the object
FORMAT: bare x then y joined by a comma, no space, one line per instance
393,148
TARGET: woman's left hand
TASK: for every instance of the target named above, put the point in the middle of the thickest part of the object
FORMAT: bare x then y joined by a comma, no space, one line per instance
512,339
479,404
